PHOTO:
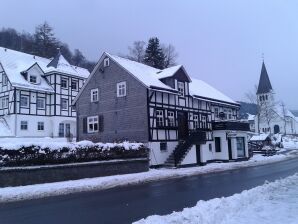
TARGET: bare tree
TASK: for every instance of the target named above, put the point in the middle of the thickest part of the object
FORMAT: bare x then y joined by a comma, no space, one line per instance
137,51
170,55
266,112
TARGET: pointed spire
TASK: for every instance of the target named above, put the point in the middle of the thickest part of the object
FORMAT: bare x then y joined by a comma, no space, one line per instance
264,83
55,61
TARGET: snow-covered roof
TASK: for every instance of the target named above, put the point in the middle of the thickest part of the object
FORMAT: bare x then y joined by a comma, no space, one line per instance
283,111
15,62
260,137
168,72
144,73
200,88
250,117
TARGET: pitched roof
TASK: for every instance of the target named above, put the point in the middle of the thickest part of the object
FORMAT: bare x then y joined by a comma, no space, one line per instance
15,62
200,88
264,83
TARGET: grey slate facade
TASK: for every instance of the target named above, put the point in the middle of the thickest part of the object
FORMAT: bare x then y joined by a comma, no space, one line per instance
121,117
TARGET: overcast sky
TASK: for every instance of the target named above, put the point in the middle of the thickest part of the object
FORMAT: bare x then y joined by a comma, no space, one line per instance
220,42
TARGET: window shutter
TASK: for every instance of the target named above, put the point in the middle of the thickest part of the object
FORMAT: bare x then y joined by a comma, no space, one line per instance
85,125
100,123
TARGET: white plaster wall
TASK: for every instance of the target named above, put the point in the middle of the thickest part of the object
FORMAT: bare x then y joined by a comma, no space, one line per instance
158,157
191,157
224,154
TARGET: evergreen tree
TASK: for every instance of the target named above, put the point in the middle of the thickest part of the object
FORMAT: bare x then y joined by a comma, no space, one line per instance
78,58
154,55
45,41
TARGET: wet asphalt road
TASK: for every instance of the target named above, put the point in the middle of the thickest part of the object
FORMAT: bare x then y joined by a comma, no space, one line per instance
127,204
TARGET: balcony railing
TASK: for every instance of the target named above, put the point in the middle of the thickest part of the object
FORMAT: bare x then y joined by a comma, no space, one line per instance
231,125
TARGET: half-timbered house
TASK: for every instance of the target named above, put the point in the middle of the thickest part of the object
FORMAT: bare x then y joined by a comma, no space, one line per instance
183,120
36,95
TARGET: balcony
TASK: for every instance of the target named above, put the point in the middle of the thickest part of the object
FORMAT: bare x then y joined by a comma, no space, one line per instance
230,125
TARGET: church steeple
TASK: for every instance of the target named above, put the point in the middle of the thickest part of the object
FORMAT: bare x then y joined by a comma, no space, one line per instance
264,83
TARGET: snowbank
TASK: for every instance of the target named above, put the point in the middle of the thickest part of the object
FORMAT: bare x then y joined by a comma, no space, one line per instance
275,202
101,183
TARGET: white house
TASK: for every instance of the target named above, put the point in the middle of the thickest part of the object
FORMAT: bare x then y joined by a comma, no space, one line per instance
273,116
36,95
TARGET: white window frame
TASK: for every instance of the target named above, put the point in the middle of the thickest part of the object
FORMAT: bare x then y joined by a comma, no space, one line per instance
66,100
5,80
43,103
195,121
4,103
204,121
27,104
121,89
33,76
181,88
159,118
106,62
77,85
24,124
40,126
64,79
92,124
216,112
94,95
171,118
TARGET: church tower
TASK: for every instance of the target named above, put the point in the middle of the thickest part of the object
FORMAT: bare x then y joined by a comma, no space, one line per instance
265,93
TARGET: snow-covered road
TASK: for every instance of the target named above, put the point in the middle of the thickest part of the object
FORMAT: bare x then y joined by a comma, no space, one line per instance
100,183
272,203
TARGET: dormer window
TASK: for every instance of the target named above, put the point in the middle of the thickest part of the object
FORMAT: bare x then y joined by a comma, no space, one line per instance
33,79
181,88
4,77
106,62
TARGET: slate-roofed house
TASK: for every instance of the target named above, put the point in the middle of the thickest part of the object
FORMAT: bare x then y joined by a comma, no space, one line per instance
36,95
273,116
183,120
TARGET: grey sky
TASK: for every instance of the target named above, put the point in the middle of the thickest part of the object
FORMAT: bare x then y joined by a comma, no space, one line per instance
220,42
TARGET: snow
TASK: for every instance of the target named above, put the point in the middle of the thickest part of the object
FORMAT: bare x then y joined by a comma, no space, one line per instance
59,143
260,137
290,142
100,183
15,62
250,117
168,72
200,88
271,203
144,73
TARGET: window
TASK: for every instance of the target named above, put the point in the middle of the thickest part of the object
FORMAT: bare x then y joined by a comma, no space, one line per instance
210,147
5,80
181,88
106,62
64,83
216,112
64,104
41,103
266,97
217,144
24,125
24,101
33,79
195,121
240,146
159,118
260,98
40,126
230,114
163,146
5,102
94,95
171,119
204,121
121,89
74,85
92,124
67,130
61,130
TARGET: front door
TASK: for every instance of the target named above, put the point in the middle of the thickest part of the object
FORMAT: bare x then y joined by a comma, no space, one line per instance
230,148
198,153
182,125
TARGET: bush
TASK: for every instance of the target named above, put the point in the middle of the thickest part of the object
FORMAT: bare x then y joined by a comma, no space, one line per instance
30,155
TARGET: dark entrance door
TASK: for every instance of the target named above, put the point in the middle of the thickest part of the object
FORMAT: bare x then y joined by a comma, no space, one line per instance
276,129
230,148
198,152
182,125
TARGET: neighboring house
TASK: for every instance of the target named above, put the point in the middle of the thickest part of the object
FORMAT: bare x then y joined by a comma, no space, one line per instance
183,120
250,118
273,116
36,95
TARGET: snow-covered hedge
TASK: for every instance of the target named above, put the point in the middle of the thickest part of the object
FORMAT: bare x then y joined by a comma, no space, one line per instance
43,153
